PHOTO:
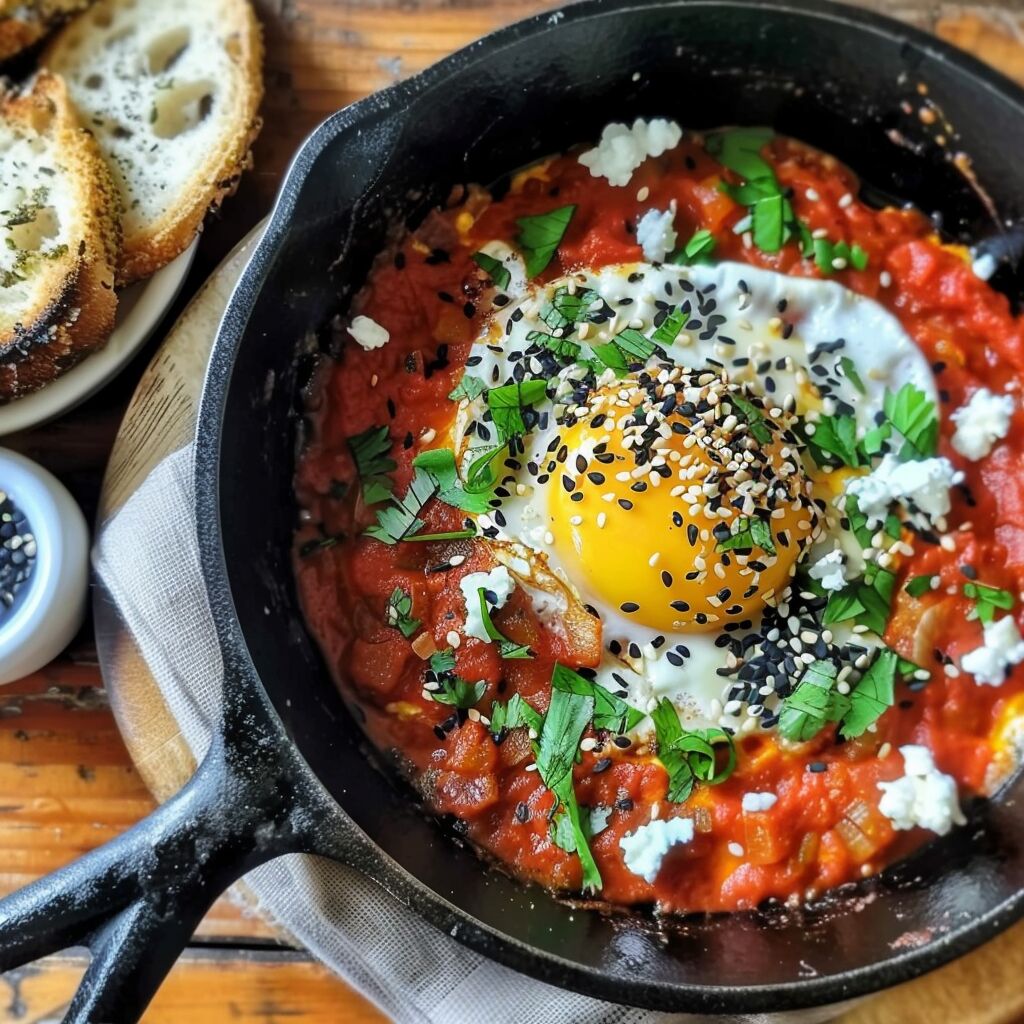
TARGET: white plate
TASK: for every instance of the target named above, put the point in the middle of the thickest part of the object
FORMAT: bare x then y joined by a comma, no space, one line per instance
139,309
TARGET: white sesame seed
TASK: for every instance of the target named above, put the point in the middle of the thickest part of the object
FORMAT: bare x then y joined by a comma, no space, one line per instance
641,196
428,435
453,638
653,560
845,201
736,850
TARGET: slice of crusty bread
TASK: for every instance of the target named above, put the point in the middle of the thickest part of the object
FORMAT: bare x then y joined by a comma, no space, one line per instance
59,233
170,88
24,22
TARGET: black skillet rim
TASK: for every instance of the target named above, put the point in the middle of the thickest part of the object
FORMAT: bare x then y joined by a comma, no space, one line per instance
798,994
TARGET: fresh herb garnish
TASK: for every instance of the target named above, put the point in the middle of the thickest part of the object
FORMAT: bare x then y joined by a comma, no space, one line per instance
567,351
769,223
508,402
635,344
912,413
469,387
610,712
987,599
612,357
698,249
826,254
754,417
540,236
442,661
689,756
439,464
669,328
834,438
401,518
398,612
567,717
493,268
851,374
868,600
513,714
508,649
370,452
919,585
871,696
747,534
458,692
816,702
813,704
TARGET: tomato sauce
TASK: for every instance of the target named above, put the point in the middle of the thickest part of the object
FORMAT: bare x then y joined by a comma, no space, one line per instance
825,828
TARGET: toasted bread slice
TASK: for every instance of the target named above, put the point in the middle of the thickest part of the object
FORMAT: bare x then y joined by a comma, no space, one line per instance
59,233
24,22
170,88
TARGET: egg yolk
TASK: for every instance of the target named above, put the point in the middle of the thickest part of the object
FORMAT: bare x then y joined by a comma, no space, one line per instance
683,521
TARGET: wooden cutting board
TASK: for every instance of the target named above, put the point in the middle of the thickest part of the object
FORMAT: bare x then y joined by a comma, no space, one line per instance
323,54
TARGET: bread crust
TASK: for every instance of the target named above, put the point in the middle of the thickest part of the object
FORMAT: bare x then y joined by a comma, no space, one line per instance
23,24
75,313
217,173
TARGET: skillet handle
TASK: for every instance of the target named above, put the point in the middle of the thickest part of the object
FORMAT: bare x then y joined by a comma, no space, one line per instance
136,901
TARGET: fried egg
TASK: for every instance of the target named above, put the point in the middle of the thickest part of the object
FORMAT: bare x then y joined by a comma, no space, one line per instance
671,495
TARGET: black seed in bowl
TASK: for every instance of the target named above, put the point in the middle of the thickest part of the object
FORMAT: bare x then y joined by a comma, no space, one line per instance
17,552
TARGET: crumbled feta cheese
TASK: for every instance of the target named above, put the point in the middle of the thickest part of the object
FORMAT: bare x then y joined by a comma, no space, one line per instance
1003,647
924,484
645,849
981,422
984,266
923,796
655,233
622,149
368,333
753,803
830,570
599,819
498,582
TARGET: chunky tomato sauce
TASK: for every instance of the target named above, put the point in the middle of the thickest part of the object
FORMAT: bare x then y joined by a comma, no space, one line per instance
825,828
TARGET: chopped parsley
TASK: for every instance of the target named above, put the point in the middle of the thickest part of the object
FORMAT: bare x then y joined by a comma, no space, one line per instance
689,756
834,439
567,718
513,714
850,372
458,692
508,649
494,269
508,402
442,661
610,712
398,612
919,585
747,534
912,413
635,344
868,600
987,600
669,328
816,702
439,464
698,249
400,520
469,387
540,236
753,415
371,454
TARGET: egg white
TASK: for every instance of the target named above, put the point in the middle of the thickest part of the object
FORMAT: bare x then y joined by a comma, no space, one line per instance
738,320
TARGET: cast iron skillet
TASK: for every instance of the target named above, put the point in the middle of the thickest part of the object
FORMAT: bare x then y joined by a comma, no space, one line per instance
288,769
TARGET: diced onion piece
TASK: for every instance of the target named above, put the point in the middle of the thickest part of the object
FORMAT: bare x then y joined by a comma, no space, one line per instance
701,819
763,845
863,830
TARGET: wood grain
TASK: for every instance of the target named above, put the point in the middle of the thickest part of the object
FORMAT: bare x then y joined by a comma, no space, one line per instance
67,781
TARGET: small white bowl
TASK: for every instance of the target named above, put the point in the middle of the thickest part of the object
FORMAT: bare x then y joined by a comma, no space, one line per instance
50,607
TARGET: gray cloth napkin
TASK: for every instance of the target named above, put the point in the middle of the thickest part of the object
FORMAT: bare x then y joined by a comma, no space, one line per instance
148,559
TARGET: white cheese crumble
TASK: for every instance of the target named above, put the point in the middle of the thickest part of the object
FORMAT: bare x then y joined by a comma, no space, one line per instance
645,849
599,816
984,266
622,149
924,484
655,233
754,803
984,420
923,797
830,570
498,582
368,333
1003,648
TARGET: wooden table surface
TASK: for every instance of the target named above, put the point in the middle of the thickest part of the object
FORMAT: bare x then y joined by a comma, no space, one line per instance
66,780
